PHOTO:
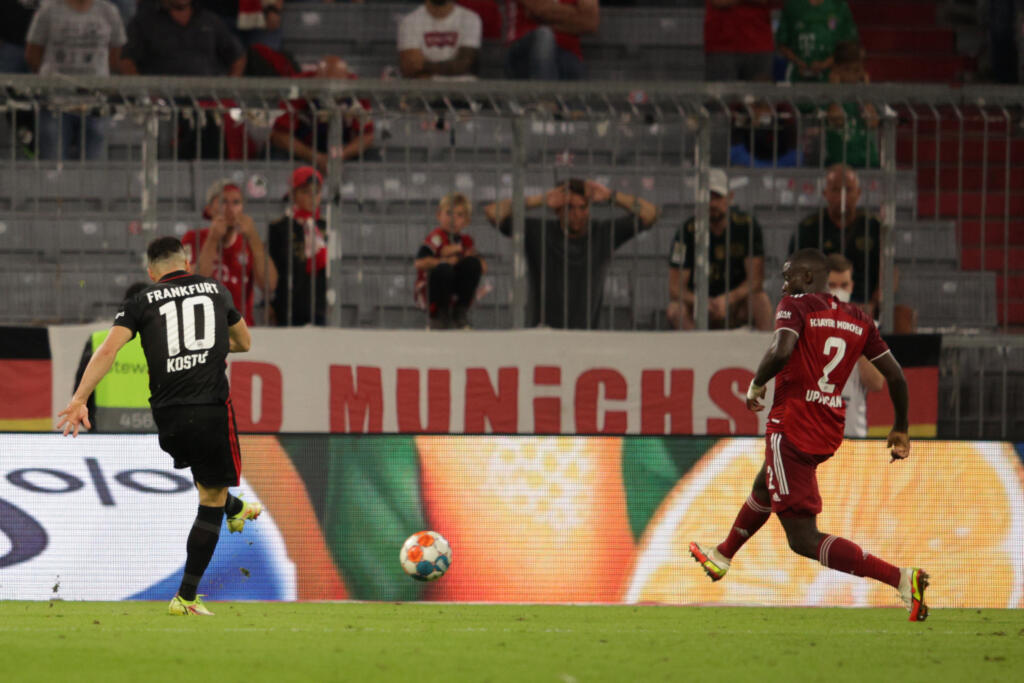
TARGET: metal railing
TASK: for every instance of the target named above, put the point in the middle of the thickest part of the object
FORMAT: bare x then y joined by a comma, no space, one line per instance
937,169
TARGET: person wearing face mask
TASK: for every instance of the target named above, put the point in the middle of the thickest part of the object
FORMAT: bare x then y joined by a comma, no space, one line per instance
439,40
841,227
866,378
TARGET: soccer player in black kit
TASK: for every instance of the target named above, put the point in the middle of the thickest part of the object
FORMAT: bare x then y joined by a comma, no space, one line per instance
188,325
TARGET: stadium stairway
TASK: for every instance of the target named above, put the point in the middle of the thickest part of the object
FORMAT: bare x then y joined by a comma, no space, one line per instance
967,172
905,42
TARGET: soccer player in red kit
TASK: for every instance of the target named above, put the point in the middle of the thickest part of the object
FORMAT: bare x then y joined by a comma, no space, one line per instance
817,342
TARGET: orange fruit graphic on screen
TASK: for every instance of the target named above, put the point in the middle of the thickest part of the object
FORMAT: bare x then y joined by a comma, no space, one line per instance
539,519
955,509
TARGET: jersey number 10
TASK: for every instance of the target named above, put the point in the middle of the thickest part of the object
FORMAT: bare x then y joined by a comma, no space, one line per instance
188,318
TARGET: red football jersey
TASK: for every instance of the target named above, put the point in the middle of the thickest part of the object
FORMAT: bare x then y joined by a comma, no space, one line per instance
808,406
519,22
740,28
233,269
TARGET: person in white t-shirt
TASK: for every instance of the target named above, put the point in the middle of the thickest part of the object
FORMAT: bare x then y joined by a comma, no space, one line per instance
439,40
73,38
867,378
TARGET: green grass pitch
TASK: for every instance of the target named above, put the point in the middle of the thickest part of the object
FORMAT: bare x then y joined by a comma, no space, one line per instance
138,641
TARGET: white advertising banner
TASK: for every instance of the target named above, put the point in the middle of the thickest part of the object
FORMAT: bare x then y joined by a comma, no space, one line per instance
105,517
512,382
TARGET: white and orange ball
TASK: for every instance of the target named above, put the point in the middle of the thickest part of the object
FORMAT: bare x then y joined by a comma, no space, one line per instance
426,556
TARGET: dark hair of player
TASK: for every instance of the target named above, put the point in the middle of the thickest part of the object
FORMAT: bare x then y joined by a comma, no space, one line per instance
577,186
162,247
837,263
810,259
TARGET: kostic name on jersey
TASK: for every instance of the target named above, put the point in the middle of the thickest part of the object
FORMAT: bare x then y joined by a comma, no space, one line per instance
179,363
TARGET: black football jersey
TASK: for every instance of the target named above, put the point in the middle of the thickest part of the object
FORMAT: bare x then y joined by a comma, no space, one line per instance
183,321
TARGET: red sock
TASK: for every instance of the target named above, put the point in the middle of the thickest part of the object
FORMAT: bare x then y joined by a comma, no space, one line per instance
846,556
751,517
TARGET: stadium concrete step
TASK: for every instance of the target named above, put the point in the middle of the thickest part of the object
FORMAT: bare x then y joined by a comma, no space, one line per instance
992,258
970,176
906,68
917,13
951,205
996,232
908,40
947,150
926,242
949,299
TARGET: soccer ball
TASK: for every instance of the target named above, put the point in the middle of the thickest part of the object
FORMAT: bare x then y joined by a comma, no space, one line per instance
426,556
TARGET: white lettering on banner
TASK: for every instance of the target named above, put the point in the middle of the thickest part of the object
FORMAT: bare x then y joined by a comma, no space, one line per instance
117,485
521,381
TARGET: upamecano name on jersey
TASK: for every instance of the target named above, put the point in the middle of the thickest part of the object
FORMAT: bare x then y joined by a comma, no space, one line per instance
838,324
182,290
186,362
815,396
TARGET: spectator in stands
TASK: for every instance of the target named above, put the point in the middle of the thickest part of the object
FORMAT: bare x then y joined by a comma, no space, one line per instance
867,378
543,37
735,267
448,266
230,249
568,256
74,38
255,22
302,132
177,38
840,227
738,43
298,247
439,40
174,38
808,33
850,137
764,135
17,15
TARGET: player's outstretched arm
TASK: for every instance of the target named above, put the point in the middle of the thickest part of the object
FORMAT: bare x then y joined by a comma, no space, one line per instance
899,440
239,339
76,413
775,358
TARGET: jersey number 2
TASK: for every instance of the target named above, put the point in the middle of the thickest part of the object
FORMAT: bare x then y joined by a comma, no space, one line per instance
188,318
837,344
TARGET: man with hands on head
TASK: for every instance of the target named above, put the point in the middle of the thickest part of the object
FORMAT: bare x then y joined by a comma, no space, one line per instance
568,254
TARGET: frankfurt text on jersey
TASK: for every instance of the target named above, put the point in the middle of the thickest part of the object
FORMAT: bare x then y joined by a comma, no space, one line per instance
182,290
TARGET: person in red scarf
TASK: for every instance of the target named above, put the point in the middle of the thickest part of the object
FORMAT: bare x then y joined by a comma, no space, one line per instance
298,247
230,249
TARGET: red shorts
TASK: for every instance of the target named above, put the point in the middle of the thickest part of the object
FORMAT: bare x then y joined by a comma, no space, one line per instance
791,478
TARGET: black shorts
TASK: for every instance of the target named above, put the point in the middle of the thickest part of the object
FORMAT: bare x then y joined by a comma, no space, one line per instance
204,438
